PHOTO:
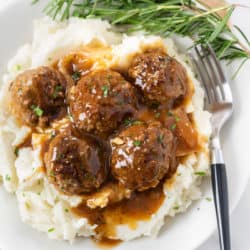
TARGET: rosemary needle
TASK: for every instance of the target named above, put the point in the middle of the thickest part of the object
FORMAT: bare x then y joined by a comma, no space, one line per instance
184,17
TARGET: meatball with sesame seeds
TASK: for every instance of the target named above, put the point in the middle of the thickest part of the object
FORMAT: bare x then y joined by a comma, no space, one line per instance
76,165
101,101
160,77
142,155
37,96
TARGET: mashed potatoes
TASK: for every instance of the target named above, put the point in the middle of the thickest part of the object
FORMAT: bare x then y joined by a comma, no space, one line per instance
40,204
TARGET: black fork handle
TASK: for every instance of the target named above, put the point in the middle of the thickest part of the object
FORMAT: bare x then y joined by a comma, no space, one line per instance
220,192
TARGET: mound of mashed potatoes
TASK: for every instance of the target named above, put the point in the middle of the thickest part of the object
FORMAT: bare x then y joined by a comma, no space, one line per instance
40,204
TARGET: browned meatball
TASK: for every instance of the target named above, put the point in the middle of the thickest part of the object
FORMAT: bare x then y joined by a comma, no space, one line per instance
38,96
141,155
100,101
160,77
75,165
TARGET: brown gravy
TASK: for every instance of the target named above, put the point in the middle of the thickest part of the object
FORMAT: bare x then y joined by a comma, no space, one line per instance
26,143
139,207
107,243
142,205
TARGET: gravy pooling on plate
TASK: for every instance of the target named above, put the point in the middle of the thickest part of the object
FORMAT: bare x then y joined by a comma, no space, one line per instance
123,134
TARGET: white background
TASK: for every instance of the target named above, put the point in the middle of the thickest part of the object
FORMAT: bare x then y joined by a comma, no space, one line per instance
240,220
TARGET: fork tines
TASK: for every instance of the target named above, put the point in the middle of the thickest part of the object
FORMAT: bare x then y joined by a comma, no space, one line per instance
212,77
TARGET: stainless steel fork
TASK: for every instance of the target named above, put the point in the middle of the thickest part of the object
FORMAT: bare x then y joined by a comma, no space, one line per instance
219,102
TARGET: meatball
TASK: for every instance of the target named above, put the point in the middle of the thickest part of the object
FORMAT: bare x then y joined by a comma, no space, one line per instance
38,96
100,101
75,165
160,77
142,155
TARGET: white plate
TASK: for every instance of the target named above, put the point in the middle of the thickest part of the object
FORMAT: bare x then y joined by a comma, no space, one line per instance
186,231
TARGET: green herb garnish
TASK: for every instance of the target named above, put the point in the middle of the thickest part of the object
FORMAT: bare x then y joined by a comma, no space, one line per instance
51,230
38,111
66,210
16,151
27,205
169,113
177,118
129,122
109,77
7,177
137,143
173,126
160,138
18,67
52,173
52,134
184,17
200,173
57,90
76,76
89,176
209,199
105,90
176,207
157,114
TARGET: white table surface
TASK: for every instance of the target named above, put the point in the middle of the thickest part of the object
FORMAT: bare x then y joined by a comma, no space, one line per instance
240,219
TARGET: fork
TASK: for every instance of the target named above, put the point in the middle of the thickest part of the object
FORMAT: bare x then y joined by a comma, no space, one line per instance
219,103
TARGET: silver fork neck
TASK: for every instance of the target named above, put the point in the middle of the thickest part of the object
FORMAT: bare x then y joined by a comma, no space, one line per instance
216,152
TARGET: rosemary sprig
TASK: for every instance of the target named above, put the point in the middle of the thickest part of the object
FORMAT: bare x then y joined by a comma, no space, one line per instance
159,17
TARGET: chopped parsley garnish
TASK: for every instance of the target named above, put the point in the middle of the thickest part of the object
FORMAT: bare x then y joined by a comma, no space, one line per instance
70,116
66,210
38,111
200,173
105,90
137,143
53,134
176,207
18,67
209,199
129,122
57,90
76,76
52,173
7,177
89,176
157,114
61,156
173,126
109,77
177,118
51,230
27,205
16,151
160,138
169,113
